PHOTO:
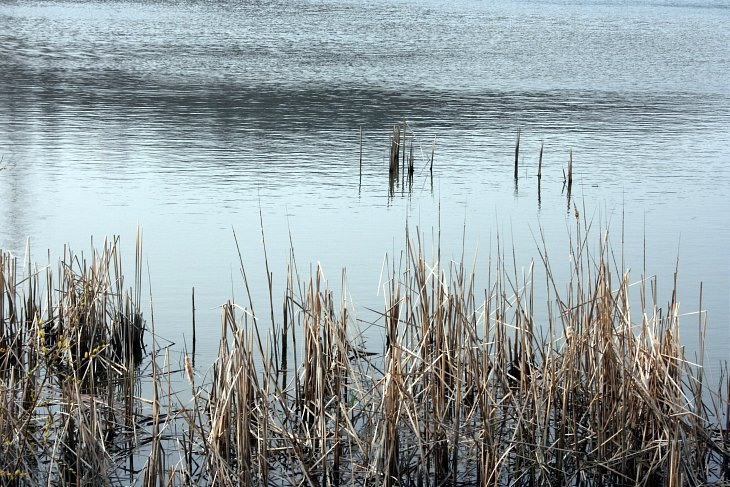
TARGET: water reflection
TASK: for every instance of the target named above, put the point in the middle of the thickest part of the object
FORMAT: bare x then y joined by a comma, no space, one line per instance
218,124
191,117
14,192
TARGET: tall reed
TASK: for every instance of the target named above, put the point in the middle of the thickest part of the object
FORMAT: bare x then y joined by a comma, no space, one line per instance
468,386
68,342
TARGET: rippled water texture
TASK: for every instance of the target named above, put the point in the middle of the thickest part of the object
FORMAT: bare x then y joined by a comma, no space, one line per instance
190,118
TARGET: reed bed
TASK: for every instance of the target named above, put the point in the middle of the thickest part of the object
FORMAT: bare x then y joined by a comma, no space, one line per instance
468,387
401,159
69,344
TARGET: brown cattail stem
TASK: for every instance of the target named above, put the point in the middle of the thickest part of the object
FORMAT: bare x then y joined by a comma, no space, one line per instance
361,151
193,300
433,150
517,152
570,170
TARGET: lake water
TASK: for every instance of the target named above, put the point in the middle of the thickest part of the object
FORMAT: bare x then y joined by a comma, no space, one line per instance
193,118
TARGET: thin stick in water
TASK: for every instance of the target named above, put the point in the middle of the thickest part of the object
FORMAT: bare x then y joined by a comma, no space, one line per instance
517,152
193,299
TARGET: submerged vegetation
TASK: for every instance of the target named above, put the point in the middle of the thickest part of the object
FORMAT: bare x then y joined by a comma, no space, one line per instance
468,387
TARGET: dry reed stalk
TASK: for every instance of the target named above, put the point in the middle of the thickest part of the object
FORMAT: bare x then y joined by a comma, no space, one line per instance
570,170
395,146
404,145
517,153
193,314
471,387
361,151
433,153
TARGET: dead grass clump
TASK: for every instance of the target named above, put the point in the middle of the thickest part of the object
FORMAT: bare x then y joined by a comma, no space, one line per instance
468,386
66,343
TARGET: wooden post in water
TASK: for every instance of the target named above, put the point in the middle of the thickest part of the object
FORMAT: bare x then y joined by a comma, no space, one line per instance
517,152
539,162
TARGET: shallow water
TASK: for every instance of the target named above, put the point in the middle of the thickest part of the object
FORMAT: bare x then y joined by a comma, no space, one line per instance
193,118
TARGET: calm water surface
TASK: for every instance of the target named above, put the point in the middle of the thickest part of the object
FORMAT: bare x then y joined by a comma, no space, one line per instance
190,118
